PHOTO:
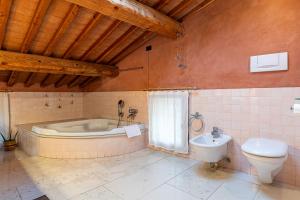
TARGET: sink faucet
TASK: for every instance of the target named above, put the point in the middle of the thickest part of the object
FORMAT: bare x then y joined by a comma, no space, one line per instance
216,133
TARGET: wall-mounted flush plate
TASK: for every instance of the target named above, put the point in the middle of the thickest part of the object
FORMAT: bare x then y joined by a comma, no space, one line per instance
269,62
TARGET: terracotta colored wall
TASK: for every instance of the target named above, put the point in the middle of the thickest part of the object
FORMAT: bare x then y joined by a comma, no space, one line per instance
218,43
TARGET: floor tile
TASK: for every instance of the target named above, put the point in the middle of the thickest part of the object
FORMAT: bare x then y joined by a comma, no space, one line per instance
144,180
9,194
235,190
168,192
199,182
277,193
100,193
146,175
29,192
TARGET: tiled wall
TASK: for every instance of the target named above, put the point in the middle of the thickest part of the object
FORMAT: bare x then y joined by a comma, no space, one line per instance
245,113
105,104
29,107
241,113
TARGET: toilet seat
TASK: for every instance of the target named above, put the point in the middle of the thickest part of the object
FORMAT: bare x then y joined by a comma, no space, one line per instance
265,148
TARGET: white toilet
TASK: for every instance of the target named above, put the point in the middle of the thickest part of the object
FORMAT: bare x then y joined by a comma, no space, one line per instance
266,155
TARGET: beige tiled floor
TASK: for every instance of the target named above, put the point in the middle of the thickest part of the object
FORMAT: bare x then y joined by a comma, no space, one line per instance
144,175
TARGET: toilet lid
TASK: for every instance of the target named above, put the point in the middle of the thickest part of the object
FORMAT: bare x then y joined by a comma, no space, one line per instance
265,147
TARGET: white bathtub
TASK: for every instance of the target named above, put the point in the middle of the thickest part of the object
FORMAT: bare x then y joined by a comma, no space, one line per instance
85,138
82,128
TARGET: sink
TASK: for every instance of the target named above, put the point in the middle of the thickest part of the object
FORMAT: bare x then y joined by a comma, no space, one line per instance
211,149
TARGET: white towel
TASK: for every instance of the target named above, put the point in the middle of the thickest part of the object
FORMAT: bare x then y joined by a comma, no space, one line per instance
132,130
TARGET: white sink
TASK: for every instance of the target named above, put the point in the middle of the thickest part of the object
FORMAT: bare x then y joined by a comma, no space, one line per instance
211,149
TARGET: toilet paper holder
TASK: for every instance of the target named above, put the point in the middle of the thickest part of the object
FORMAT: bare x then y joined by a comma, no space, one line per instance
296,106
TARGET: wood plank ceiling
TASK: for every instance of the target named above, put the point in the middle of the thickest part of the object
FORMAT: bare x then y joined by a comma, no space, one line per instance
79,31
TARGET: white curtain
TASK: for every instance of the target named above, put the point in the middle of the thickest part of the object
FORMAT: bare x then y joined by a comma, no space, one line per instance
168,120
4,113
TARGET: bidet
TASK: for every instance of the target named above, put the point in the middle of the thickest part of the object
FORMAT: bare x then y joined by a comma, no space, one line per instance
211,149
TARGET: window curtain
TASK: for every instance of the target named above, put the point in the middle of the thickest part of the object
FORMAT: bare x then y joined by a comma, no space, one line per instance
168,120
4,114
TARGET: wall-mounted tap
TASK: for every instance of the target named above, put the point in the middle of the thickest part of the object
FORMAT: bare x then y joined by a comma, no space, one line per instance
132,112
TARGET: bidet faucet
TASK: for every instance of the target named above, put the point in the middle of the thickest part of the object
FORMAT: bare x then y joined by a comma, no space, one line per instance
216,133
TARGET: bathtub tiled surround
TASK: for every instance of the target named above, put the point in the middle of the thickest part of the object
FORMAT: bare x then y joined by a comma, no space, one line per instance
255,112
95,147
144,175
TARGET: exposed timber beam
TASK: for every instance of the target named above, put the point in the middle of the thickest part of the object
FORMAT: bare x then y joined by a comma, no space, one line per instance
36,63
29,81
197,8
135,13
66,22
84,33
116,43
60,81
88,81
4,14
141,40
99,41
45,81
76,81
147,36
181,7
35,24
32,31
12,79
134,45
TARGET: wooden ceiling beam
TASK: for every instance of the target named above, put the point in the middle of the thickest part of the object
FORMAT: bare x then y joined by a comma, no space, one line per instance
64,25
135,13
60,81
99,41
159,5
32,31
88,81
197,8
116,43
12,79
181,7
36,63
29,81
4,14
45,81
74,82
84,33
35,24
134,45
142,39
147,36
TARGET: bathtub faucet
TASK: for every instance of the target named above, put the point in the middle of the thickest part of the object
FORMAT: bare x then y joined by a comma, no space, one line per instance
132,113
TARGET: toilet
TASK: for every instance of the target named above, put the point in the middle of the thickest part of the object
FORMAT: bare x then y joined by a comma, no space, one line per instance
266,155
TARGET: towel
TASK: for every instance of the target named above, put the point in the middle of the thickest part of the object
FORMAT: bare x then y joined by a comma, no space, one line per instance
132,130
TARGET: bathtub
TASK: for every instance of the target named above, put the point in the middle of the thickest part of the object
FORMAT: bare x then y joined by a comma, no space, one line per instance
80,138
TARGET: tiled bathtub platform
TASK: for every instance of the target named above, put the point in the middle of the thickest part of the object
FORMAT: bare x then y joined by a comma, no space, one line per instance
144,175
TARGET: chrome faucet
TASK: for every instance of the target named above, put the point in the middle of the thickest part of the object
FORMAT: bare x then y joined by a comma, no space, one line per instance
132,112
216,133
